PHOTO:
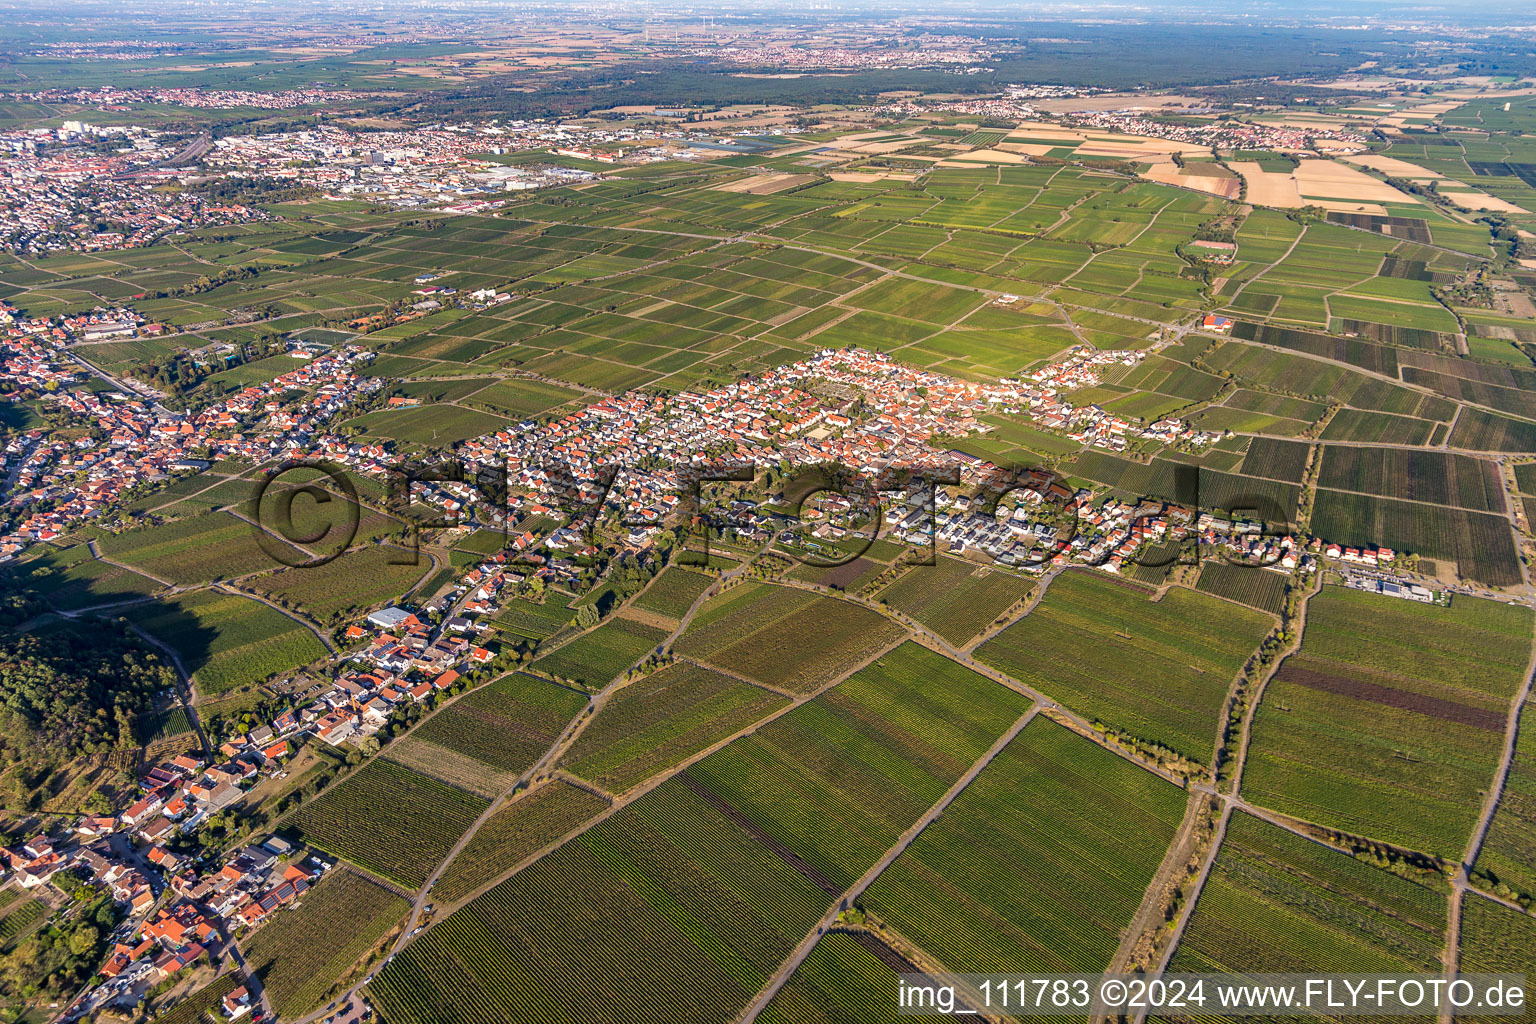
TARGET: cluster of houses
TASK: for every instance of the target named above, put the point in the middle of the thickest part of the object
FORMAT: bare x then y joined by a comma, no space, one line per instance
56,191
144,443
249,886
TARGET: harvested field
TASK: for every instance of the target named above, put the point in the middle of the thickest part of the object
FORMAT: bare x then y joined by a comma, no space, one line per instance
1268,188
765,184
1326,179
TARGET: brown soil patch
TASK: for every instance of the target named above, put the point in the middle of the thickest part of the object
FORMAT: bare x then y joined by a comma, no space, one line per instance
1360,689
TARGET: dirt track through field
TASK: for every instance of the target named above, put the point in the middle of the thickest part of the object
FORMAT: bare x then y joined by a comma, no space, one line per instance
885,954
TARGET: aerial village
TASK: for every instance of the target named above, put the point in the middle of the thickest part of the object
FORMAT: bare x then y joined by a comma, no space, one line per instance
848,407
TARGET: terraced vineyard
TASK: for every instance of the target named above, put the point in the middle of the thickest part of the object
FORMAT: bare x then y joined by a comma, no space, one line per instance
1157,670
302,952
1388,721
1092,827
389,820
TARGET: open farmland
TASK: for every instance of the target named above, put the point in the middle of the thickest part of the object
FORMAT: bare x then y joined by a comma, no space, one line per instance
655,722
1157,670
519,829
507,724
673,592
841,982
1092,827
199,549
389,820
1388,721
954,598
1497,940
596,657
1253,586
785,638
345,587
303,951
225,641
666,889
836,780
1508,855
1278,902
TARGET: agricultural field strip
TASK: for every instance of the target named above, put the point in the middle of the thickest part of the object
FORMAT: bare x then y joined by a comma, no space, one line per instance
903,841
641,789
1397,381
963,655
556,750
1496,791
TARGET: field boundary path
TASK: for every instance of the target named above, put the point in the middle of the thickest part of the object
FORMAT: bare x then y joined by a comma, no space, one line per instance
787,968
1461,881
314,628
